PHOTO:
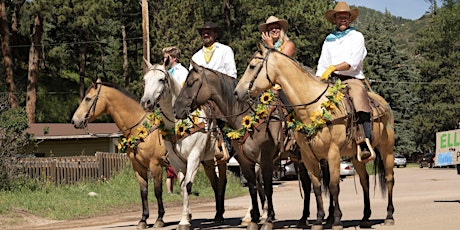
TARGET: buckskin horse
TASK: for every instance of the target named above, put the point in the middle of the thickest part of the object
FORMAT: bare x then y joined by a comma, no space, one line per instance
185,152
204,85
129,116
330,141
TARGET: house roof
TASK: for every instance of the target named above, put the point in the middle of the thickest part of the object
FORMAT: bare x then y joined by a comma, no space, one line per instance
68,131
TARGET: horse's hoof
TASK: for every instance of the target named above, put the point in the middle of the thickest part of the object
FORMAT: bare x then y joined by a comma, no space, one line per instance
245,222
365,224
317,227
252,226
219,219
142,225
302,223
183,227
337,227
159,224
267,226
389,222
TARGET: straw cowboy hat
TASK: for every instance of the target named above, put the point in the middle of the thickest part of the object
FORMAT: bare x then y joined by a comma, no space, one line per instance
272,19
210,25
341,7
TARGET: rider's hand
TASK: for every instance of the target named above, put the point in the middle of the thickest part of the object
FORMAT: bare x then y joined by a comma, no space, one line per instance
267,39
328,72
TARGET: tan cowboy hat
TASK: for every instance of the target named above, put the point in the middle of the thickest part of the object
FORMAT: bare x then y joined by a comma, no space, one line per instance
211,25
341,7
272,19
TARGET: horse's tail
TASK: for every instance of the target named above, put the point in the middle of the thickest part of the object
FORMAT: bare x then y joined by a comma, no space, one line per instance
379,171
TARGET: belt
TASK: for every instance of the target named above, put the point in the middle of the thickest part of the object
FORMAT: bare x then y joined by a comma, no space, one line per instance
342,77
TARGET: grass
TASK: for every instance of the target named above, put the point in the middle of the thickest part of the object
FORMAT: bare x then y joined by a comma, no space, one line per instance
72,201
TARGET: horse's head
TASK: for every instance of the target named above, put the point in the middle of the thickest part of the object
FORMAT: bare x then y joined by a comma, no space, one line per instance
156,81
192,93
89,108
258,76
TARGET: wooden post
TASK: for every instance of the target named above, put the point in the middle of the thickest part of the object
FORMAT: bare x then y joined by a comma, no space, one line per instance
145,34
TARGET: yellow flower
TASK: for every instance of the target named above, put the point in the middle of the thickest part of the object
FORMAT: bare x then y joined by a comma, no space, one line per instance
234,135
290,117
317,118
195,120
329,105
163,132
247,122
262,113
338,96
266,97
120,146
181,128
299,127
142,132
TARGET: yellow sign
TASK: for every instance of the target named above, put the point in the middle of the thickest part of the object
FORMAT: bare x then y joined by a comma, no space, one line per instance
447,148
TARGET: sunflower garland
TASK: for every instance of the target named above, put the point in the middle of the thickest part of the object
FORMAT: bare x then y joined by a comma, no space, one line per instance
320,117
248,121
181,128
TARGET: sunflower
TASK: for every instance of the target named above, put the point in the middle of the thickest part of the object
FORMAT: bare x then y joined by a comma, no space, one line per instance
329,105
195,120
317,118
247,122
290,117
338,97
142,133
266,97
181,128
234,134
262,113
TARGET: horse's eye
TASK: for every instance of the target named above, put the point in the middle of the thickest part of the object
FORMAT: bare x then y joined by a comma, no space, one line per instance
88,99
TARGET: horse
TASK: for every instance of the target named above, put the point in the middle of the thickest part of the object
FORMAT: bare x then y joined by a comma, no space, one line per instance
128,115
205,85
330,141
185,153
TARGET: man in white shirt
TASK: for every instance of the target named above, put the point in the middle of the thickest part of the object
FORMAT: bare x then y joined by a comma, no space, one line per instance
342,56
214,55
175,68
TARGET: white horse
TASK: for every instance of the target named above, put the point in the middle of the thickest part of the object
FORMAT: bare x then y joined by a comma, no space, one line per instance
185,153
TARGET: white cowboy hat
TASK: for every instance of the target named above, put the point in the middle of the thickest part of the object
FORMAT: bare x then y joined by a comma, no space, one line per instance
272,19
341,7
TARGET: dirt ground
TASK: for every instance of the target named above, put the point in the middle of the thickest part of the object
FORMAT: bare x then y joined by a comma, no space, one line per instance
423,199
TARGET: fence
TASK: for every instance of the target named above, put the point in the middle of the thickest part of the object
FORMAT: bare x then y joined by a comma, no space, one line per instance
68,170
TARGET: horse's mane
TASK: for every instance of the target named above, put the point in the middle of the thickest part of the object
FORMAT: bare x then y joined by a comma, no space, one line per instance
117,87
227,83
305,69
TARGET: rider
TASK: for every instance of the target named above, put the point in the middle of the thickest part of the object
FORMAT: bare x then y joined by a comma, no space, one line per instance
216,56
342,56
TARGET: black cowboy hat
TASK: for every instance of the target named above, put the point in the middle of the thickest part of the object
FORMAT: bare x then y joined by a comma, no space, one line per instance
211,25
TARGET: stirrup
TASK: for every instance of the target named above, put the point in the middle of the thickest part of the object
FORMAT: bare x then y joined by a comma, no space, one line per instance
221,153
371,150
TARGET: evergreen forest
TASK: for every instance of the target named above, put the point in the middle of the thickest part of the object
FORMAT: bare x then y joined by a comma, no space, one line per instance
51,51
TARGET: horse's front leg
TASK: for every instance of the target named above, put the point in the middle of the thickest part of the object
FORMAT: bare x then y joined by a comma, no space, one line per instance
306,187
360,169
157,174
142,178
186,191
248,170
334,192
316,183
218,184
267,175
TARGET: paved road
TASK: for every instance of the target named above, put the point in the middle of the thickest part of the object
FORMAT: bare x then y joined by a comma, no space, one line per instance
423,199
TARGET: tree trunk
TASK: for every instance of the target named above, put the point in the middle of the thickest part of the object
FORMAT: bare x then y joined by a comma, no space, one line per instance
32,77
125,55
7,60
145,33
82,69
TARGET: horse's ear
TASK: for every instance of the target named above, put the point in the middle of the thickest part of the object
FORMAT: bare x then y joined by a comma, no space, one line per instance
95,84
261,47
147,63
194,65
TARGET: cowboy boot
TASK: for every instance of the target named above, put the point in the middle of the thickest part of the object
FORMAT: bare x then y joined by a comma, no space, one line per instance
365,150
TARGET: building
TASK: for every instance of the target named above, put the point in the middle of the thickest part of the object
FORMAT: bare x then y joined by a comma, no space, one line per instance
57,140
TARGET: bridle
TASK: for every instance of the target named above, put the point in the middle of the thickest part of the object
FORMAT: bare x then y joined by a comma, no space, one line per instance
92,109
265,60
166,84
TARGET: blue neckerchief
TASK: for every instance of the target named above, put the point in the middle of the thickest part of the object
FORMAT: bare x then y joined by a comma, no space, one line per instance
277,44
336,34
171,71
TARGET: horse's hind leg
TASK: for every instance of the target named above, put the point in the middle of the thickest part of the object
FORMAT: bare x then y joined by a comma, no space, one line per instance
360,169
387,164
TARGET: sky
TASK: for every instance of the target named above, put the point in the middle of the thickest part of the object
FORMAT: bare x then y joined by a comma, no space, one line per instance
409,9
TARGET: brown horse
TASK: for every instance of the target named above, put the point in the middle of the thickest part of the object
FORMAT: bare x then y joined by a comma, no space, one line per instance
306,94
204,85
125,110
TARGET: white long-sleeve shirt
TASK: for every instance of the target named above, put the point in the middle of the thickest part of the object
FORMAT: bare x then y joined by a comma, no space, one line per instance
223,60
349,49
180,73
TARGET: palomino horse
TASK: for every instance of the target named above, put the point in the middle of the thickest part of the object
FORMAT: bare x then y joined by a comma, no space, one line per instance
103,98
330,141
185,153
204,85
